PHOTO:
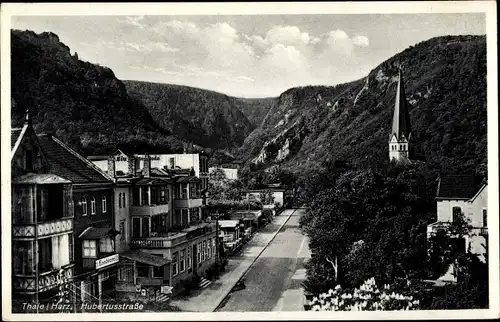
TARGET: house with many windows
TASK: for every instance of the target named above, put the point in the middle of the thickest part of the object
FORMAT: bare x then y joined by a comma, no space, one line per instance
169,239
95,255
463,195
42,221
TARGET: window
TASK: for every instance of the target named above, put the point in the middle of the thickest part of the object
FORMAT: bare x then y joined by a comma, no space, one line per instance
143,270
198,254
485,218
145,227
209,250
184,188
185,215
171,163
92,206
189,256
106,245
103,204
457,212
214,243
23,258
89,249
120,200
158,271
162,194
154,196
204,250
136,227
182,263
84,206
175,263
124,200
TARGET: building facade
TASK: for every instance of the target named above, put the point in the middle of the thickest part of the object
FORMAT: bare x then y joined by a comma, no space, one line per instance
459,195
42,222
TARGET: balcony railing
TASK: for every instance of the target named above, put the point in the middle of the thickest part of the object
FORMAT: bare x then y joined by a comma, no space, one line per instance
46,228
171,239
188,203
46,281
149,210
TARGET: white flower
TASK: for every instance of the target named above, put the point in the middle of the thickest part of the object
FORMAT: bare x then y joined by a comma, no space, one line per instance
338,287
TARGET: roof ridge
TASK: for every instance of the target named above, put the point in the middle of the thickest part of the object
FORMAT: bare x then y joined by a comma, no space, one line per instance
76,154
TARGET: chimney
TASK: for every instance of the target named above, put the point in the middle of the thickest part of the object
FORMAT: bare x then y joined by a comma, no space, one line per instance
146,171
111,166
132,165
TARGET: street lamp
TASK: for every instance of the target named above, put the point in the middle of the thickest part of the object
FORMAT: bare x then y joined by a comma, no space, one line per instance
217,216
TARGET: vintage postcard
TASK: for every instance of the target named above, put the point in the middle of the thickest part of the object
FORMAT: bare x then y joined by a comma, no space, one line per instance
249,161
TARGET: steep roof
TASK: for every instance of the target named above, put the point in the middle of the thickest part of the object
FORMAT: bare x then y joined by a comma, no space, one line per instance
457,187
66,163
401,119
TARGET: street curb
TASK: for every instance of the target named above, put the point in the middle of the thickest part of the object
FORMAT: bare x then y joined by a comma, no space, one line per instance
255,259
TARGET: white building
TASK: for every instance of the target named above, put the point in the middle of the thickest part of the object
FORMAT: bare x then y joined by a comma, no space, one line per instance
457,195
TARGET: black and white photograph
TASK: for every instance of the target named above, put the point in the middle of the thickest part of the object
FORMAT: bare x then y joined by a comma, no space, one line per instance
229,161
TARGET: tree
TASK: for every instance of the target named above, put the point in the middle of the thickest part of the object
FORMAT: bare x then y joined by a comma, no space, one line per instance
217,184
377,214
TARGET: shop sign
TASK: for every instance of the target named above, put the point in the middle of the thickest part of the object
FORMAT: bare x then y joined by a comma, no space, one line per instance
106,261
166,289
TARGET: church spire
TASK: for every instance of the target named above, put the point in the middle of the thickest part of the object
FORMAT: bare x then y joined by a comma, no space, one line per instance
401,127
401,119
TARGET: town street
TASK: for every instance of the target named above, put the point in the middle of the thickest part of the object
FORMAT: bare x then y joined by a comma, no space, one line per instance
273,282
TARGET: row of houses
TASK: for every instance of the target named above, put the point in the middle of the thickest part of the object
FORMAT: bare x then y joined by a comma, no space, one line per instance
131,226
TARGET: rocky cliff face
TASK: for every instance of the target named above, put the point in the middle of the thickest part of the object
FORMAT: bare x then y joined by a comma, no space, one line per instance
445,80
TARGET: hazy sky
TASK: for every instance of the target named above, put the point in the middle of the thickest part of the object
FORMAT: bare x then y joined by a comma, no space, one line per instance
249,56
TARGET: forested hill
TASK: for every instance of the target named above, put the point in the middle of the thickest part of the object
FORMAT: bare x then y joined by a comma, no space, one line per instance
82,103
208,118
445,82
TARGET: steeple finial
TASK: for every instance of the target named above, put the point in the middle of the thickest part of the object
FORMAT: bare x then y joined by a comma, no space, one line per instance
27,116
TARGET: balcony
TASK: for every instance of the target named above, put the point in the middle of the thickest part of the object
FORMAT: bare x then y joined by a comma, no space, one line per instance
46,281
172,239
46,228
188,203
149,210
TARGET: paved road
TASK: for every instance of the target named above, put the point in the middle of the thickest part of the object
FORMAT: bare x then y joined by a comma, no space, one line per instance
273,283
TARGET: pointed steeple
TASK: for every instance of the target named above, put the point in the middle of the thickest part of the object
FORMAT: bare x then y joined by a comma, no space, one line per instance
401,120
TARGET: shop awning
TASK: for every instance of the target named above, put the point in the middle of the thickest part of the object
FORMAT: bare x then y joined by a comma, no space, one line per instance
98,233
145,258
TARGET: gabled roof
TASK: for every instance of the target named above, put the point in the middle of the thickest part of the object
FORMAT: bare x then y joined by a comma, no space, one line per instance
67,163
401,119
457,187
186,179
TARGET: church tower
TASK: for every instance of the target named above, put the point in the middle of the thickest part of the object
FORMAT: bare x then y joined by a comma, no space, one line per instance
401,129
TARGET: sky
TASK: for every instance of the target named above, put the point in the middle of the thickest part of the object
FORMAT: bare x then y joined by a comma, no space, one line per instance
247,55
